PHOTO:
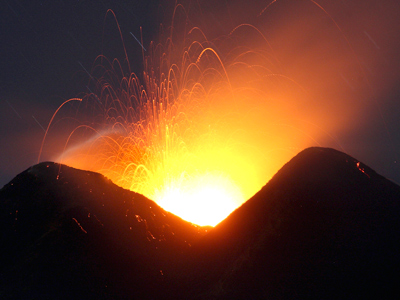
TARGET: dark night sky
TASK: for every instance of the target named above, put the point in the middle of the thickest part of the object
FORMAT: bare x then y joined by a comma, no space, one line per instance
44,44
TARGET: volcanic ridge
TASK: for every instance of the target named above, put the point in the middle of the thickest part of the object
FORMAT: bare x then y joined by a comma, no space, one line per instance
326,226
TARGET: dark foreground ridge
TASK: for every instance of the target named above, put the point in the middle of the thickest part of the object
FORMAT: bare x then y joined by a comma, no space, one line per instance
325,227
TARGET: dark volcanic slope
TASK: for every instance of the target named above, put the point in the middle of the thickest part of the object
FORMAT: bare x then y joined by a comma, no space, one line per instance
74,234
325,227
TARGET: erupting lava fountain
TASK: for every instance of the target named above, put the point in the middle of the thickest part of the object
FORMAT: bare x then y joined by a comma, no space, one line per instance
199,131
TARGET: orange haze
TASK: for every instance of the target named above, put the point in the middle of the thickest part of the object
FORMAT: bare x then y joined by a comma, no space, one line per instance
215,115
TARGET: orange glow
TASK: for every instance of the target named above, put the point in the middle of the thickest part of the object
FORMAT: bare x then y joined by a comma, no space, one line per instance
204,200
208,122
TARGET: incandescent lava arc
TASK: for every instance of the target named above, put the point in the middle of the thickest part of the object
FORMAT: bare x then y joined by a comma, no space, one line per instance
207,121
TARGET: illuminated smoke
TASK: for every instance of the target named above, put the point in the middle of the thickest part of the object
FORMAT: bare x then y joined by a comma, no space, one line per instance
209,121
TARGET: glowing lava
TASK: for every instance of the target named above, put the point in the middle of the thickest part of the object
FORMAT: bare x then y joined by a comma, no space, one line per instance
183,135
205,125
204,200
175,136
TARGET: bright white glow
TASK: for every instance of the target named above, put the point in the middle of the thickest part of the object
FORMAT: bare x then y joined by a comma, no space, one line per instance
203,200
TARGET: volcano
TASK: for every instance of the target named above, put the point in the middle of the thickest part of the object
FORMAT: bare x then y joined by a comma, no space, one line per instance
326,226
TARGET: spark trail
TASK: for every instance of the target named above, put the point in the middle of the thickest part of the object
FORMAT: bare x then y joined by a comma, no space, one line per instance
204,125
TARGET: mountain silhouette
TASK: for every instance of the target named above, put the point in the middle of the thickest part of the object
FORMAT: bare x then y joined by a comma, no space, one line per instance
326,226
68,233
